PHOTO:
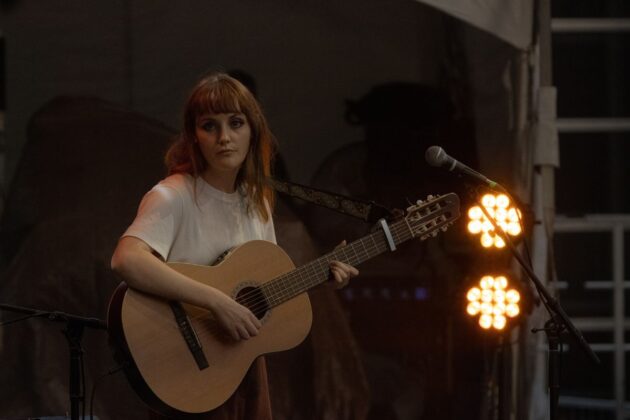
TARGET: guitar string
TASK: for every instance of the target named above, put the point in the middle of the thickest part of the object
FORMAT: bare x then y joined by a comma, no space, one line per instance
257,300
294,281
256,295
315,268
215,328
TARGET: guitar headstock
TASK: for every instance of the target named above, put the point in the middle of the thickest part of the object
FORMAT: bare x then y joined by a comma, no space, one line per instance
436,213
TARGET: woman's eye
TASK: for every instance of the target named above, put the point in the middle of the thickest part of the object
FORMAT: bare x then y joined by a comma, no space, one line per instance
207,126
237,123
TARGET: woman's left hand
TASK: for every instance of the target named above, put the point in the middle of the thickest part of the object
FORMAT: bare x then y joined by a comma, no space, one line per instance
342,272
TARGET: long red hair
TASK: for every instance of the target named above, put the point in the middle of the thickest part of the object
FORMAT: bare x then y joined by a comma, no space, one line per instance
219,93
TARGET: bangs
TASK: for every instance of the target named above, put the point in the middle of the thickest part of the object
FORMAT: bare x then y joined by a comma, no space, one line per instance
221,98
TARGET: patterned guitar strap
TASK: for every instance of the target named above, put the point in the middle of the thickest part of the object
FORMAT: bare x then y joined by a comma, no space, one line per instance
368,211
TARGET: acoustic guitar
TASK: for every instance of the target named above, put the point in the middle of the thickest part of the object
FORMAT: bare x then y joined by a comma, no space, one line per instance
179,360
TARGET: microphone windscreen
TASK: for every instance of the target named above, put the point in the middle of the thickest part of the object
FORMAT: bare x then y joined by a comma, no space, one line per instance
435,156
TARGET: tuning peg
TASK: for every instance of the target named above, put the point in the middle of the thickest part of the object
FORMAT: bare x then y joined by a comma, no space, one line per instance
430,197
444,228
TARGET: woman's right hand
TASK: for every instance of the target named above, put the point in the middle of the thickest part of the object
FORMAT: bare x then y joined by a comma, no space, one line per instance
136,263
235,319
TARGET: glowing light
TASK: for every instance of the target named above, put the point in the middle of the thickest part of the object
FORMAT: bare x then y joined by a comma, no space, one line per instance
474,226
499,296
512,310
489,201
512,296
486,295
485,282
486,308
473,294
476,213
473,308
493,301
486,240
502,201
499,322
485,321
498,208
499,242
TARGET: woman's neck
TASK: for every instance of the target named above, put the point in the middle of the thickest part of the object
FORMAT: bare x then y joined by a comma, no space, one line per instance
222,181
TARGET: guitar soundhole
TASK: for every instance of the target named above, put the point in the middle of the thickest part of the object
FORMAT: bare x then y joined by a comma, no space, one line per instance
254,299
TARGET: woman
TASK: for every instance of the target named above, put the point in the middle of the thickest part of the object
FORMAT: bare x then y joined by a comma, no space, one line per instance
215,197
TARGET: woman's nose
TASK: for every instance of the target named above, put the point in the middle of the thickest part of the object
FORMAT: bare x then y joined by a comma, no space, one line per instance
224,136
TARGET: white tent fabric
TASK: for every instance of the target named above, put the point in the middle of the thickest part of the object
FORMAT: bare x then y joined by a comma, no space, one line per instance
510,20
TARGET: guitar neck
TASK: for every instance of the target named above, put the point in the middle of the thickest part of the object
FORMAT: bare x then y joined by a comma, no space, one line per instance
306,277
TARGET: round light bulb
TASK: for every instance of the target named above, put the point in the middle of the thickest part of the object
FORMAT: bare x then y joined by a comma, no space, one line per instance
502,201
486,240
512,296
498,309
512,215
486,295
499,296
488,201
475,213
500,282
473,294
512,310
473,308
486,282
513,229
499,322
486,308
485,321
474,226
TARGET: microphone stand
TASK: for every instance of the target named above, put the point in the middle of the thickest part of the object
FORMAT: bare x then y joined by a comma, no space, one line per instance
73,332
558,322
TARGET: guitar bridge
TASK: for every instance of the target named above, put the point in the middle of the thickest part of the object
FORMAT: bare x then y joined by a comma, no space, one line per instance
189,334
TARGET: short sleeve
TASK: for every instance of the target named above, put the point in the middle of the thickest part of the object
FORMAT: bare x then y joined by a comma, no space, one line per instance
269,231
158,220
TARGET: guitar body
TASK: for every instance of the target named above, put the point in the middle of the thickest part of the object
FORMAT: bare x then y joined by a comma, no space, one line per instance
160,364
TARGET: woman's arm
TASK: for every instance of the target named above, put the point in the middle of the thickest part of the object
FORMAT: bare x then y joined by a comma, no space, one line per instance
134,262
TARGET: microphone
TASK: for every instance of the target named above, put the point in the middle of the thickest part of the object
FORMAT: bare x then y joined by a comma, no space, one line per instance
436,156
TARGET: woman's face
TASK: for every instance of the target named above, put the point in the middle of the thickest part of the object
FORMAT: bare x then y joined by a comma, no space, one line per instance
224,141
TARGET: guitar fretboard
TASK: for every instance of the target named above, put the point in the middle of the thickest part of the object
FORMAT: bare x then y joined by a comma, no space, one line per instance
316,272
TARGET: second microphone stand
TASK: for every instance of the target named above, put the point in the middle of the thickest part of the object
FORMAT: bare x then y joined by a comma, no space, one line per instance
73,331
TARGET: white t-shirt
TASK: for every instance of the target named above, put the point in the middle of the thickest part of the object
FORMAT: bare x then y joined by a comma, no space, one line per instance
183,227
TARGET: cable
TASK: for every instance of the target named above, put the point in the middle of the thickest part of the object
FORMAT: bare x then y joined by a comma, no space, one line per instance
96,382
82,390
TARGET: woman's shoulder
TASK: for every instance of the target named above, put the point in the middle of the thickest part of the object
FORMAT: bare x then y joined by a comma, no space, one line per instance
182,183
173,188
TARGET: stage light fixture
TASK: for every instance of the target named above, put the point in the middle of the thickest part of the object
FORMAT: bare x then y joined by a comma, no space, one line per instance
500,209
494,301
